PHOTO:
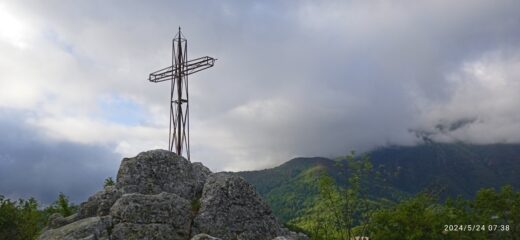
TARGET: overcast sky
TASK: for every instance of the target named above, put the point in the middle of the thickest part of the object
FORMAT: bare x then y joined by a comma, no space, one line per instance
293,78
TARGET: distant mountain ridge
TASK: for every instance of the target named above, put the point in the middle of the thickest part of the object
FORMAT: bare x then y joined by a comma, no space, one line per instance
452,168
462,169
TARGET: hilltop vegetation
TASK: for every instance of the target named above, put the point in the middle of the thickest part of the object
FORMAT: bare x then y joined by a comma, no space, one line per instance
24,219
409,191
430,191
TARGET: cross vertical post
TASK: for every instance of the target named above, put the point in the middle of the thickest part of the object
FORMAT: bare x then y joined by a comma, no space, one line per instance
177,74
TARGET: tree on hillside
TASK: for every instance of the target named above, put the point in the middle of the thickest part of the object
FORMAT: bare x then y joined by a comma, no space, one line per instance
491,215
340,213
416,218
22,220
62,205
19,220
501,208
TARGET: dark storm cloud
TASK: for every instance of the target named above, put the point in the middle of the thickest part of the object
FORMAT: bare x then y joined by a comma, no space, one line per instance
33,166
359,74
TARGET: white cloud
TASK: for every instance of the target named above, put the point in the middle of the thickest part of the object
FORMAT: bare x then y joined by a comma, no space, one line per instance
292,79
129,140
15,30
486,90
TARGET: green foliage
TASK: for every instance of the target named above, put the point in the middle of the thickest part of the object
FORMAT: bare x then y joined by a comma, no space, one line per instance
109,182
23,220
340,213
424,217
322,220
290,188
195,205
61,205
64,205
498,208
398,173
19,220
299,193
416,218
338,202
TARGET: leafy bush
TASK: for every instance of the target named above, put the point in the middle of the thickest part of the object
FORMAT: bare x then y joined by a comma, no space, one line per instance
20,220
23,220
109,182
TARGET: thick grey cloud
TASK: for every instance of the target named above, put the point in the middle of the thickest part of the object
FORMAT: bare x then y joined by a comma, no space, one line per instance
33,166
293,78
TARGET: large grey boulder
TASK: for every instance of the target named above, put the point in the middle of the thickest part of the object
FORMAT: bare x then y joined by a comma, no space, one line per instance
100,203
160,216
166,208
231,209
157,171
56,220
93,228
160,195
153,231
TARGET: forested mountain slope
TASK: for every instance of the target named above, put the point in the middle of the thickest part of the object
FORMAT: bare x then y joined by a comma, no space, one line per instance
452,169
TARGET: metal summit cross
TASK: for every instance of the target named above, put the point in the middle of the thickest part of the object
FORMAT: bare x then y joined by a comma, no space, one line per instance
177,74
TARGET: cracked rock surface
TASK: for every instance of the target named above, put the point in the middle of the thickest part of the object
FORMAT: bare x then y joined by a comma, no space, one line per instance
160,195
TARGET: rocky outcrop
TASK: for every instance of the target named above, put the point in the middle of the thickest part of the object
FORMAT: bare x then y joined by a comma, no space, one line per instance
136,213
92,228
100,203
153,231
160,195
159,171
231,209
56,220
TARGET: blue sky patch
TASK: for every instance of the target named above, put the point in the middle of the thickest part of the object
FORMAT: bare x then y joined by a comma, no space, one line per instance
120,110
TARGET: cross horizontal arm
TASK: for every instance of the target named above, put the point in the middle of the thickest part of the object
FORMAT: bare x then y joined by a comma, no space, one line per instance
191,66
